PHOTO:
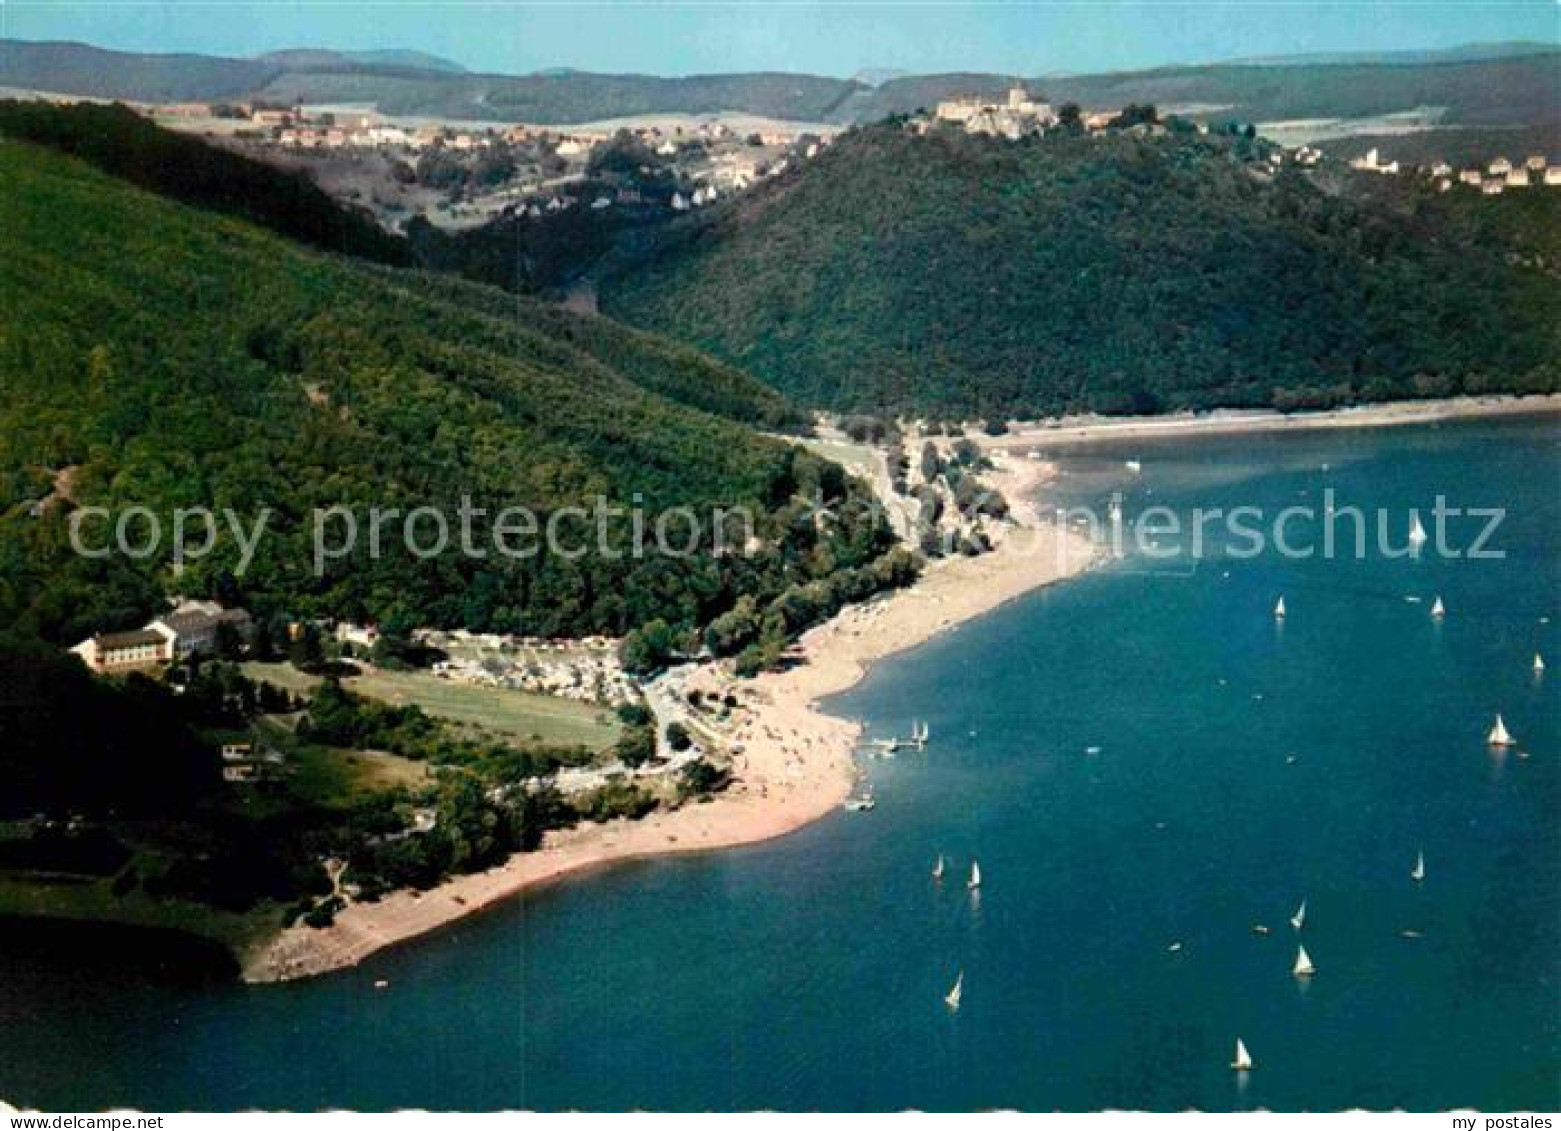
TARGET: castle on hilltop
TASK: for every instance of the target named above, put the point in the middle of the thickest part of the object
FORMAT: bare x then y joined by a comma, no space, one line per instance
1018,116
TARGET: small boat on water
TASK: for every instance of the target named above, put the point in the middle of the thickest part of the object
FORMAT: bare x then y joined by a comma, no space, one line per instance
1174,948
1133,465
1410,933
381,983
1259,929
1243,1061
1499,735
937,869
975,876
919,735
1418,873
1299,918
1438,610
1279,609
861,804
1303,964
1539,664
1417,533
955,995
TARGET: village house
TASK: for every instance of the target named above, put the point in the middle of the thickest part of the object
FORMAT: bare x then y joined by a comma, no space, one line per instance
271,118
1517,178
1373,163
1535,162
1553,176
1493,187
1499,167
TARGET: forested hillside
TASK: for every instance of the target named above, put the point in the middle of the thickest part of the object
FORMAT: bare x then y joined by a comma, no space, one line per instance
1114,272
157,355
119,141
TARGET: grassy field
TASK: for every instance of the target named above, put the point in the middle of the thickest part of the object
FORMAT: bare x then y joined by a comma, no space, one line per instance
29,896
327,777
514,716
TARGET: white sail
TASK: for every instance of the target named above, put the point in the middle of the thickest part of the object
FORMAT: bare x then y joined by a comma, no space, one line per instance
952,998
1419,871
1298,920
975,876
937,869
1417,532
1499,735
1243,1059
1438,609
1303,964
1539,663
1279,609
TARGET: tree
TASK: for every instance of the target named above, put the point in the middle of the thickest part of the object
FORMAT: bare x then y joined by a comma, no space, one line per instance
649,647
636,746
304,648
678,737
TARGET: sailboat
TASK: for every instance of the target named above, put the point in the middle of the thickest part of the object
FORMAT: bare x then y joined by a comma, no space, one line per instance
1499,735
1299,918
1417,533
1419,871
937,869
1243,1061
1279,609
975,876
1438,610
952,998
1539,664
1303,964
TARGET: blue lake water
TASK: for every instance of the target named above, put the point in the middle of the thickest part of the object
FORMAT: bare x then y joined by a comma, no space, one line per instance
1243,765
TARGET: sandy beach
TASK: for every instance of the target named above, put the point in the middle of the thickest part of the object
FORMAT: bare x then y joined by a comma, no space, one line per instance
1092,429
794,763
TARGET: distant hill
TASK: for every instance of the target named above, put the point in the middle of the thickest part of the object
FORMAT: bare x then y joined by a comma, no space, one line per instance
169,356
1493,84
1466,53
958,275
568,96
76,68
420,60
1508,90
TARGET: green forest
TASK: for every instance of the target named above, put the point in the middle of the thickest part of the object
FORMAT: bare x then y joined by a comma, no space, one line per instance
157,355
1119,272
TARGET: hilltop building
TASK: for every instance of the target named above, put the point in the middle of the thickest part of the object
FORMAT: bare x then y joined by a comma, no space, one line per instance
1016,117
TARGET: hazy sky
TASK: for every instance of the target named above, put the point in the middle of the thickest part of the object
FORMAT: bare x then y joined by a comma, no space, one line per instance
839,38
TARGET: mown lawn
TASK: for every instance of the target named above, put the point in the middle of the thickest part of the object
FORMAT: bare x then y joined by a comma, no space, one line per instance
496,712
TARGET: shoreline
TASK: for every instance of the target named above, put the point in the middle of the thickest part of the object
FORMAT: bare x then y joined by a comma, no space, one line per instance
793,763
1093,429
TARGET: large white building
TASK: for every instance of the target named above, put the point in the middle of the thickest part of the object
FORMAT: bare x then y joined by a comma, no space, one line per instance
189,629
